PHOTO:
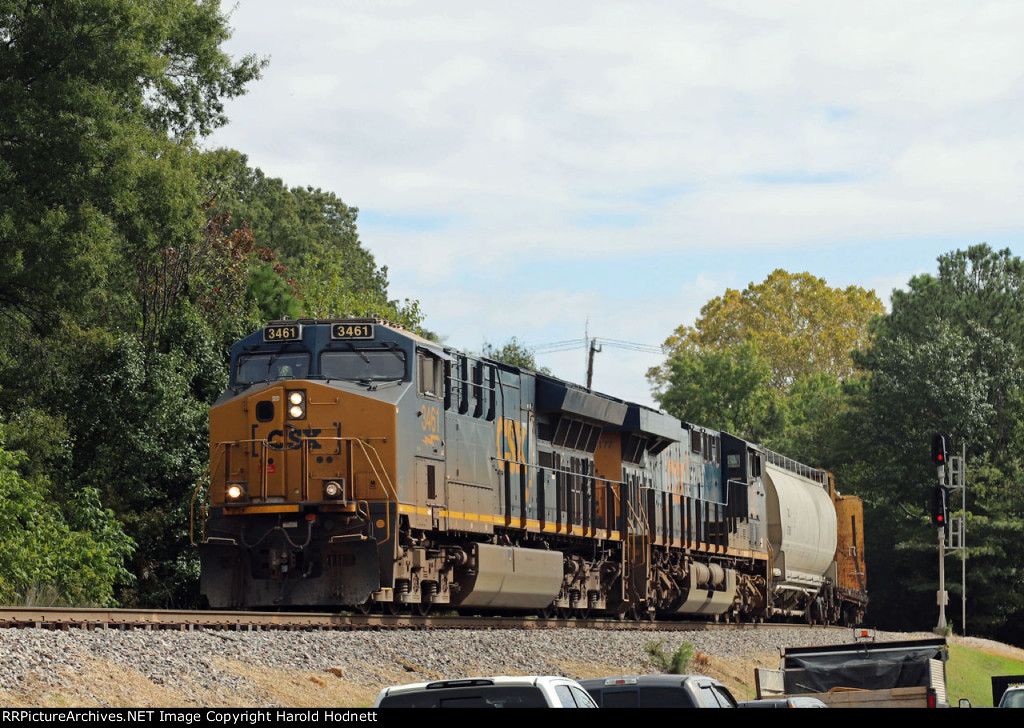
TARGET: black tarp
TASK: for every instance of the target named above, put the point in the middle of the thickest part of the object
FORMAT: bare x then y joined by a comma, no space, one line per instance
866,666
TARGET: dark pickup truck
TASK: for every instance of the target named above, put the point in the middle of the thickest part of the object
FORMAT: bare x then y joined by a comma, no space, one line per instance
659,691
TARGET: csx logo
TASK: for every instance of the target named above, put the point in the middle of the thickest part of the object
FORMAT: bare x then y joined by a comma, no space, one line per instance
276,439
510,442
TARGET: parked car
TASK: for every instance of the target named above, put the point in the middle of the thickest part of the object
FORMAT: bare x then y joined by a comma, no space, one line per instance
794,702
488,692
1013,697
659,691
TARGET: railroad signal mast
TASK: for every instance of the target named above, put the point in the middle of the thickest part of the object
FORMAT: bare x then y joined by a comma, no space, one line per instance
951,532
940,495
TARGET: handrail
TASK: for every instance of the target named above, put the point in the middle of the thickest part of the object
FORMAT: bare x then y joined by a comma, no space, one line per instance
375,461
390,491
208,477
794,466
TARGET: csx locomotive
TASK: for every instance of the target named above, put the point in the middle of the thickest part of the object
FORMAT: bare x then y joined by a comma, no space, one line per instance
356,464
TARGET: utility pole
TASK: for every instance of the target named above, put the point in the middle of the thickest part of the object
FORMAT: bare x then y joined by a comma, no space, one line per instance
594,349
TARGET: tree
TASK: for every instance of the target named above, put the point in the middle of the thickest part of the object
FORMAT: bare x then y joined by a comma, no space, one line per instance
769,363
107,266
75,552
312,235
726,390
947,359
98,102
513,352
800,325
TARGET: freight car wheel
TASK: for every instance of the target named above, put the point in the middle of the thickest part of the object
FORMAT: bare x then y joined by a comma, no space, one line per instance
547,612
392,608
422,609
365,607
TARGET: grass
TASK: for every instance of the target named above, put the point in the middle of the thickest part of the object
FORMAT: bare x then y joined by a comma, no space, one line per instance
674,663
969,674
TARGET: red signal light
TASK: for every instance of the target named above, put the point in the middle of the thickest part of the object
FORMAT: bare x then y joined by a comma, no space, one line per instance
940,449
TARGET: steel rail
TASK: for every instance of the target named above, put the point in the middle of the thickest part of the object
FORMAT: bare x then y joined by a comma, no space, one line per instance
184,620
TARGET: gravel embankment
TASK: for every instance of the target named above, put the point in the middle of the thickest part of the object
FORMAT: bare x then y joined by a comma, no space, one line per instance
42,668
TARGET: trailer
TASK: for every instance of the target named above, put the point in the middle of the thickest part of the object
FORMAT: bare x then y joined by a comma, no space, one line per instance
863,674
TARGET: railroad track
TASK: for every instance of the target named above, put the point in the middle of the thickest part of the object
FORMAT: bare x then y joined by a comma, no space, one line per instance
67,618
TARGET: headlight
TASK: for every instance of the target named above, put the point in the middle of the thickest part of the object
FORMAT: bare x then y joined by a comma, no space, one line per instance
333,490
234,492
296,405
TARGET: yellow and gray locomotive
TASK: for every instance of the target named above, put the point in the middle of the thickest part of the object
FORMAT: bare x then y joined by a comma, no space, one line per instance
354,464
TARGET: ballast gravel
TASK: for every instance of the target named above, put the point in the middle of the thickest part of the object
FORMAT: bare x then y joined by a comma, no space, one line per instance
192,666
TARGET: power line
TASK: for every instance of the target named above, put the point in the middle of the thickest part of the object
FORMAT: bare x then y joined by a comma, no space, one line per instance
570,344
593,345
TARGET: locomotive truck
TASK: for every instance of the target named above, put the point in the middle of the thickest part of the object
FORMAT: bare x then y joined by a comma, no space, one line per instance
355,464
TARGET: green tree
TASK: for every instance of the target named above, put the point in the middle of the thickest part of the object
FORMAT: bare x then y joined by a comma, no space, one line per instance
110,277
312,235
800,325
66,544
98,102
515,353
726,390
947,359
769,363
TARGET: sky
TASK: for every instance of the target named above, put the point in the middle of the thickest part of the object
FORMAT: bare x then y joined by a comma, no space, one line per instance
552,170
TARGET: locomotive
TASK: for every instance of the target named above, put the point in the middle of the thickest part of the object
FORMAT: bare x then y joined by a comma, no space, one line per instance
355,464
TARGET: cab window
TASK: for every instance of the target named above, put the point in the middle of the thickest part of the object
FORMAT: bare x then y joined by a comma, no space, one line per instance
371,365
428,376
271,367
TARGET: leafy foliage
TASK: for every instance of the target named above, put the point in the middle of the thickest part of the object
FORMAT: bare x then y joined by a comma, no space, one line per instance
865,402
311,236
723,389
768,363
799,324
102,97
947,359
129,261
75,552
513,352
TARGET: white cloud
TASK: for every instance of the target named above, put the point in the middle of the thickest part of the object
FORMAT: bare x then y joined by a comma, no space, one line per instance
518,166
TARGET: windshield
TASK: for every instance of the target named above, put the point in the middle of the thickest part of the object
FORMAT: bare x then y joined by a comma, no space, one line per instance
271,367
363,365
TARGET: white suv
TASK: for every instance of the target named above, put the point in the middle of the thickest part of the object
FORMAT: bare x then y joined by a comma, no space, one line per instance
488,692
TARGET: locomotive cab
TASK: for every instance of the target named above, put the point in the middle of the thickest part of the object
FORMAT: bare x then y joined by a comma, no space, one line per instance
303,468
